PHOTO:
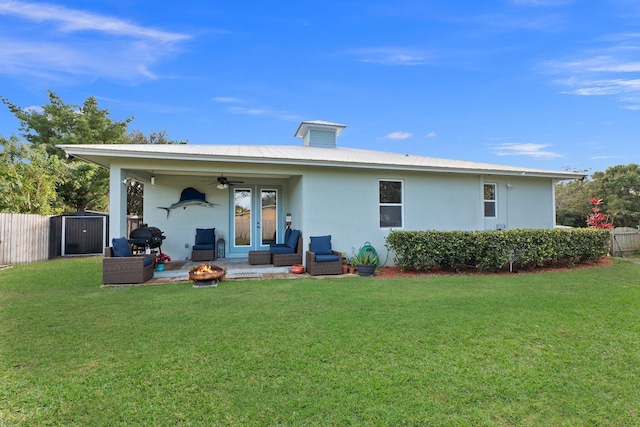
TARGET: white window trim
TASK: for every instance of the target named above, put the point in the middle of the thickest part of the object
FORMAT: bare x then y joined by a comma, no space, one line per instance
495,199
401,204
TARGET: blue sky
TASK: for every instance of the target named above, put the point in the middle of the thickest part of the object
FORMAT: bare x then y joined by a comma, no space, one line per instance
548,84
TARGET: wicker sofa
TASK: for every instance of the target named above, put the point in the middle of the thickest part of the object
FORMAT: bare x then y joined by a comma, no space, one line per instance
325,261
289,252
280,260
121,270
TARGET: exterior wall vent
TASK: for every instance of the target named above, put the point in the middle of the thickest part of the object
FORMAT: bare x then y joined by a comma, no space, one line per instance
319,134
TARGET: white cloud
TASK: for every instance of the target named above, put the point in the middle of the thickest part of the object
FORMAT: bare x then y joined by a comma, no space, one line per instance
33,109
607,87
540,3
525,149
399,135
227,100
74,43
266,112
602,63
70,20
390,56
604,157
607,71
431,135
239,106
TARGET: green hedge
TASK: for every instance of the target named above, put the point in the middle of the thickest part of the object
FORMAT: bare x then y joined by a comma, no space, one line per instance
494,250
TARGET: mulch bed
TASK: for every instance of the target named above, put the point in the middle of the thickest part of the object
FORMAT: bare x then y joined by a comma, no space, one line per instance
392,272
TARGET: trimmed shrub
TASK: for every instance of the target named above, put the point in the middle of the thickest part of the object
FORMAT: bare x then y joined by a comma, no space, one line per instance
493,250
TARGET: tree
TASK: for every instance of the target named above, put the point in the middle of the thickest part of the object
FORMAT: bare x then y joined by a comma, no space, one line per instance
78,185
619,188
28,178
160,137
597,218
572,203
84,186
59,123
135,191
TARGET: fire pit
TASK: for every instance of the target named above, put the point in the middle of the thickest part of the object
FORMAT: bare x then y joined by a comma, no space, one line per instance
206,275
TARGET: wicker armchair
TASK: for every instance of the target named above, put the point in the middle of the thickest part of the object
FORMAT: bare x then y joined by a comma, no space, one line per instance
280,260
205,247
327,261
120,270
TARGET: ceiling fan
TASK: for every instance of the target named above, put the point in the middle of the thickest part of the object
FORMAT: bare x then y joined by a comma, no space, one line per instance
224,183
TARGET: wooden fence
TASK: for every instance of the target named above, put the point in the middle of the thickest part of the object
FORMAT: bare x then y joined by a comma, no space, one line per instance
624,241
23,238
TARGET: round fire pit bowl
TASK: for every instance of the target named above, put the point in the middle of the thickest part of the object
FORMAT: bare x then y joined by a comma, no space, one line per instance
206,273
297,269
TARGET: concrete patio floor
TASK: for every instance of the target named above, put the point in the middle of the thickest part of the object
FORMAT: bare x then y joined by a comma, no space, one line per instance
237,269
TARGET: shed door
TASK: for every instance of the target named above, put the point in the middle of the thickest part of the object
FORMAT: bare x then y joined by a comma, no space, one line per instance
83,235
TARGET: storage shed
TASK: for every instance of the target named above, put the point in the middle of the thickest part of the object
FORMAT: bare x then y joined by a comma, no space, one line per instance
79,233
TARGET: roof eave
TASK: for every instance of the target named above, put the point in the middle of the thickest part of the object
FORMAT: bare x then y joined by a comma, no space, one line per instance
88,154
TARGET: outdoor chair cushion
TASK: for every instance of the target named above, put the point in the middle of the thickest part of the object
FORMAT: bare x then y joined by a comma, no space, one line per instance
287,235
207,247
321,245
327,258
120,247
292,241
205,236
147,261
282,250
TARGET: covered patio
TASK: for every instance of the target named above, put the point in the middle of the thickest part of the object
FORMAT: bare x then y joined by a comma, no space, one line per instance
236,269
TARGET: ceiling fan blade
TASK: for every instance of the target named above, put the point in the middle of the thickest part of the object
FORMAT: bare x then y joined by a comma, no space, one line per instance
208,181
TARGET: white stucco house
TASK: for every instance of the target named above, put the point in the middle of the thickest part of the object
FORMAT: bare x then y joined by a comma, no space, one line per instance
354,195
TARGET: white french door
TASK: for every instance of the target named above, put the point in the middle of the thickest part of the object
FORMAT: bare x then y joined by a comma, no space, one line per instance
255,218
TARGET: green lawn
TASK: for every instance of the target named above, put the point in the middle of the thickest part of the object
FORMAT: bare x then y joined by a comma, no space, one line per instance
547,349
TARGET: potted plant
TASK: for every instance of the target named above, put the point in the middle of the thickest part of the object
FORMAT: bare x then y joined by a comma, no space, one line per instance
365,262
160,259
345,264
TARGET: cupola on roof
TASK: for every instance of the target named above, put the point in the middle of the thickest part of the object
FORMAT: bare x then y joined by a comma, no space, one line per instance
319,133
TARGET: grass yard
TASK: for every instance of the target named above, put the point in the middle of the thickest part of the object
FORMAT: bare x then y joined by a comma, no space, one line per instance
547,349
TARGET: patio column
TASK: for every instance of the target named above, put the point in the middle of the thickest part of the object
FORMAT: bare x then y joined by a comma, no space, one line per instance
117,204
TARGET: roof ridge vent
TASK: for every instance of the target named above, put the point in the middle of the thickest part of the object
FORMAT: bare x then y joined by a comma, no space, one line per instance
319,133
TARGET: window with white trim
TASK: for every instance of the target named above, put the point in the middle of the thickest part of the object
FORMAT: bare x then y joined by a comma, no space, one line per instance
391,207
490,203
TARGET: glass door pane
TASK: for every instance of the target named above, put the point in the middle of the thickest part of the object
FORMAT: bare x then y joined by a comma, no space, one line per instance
242,219
268,222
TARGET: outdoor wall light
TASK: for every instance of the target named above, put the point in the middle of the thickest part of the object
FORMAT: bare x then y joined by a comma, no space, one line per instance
509,186
153,180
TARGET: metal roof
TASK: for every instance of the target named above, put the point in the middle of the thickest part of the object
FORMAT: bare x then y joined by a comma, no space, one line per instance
302,155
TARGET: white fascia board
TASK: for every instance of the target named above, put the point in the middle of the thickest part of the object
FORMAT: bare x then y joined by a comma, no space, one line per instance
90,153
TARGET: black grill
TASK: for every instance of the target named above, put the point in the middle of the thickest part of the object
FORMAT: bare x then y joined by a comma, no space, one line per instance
146,237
